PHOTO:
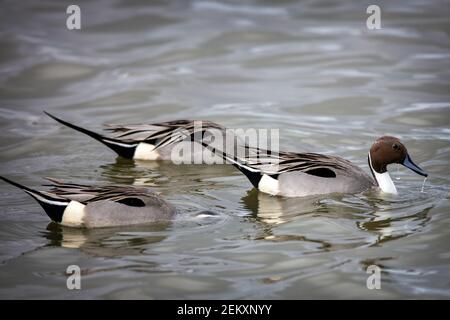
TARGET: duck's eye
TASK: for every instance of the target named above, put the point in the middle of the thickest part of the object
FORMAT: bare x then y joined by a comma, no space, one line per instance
396,146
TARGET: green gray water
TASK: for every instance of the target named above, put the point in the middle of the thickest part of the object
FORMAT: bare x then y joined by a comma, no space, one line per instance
310,68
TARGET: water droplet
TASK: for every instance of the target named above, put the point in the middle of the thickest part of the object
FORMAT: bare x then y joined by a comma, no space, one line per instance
398,169
423,184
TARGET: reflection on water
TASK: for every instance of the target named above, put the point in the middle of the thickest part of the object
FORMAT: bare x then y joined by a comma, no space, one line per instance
106,242
310,69
277,210
386,220
389,221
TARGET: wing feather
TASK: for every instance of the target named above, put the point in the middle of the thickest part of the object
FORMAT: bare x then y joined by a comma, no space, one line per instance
281,162
87,194
157,133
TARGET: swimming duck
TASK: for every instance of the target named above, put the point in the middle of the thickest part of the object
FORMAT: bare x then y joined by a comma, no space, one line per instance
77,205
157,141
303,174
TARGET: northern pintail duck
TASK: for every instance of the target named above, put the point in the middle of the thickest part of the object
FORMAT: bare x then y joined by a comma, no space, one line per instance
77,205
152,141
303,174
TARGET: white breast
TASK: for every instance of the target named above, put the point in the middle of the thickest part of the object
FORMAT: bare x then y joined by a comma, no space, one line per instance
145,151
269,185
73,214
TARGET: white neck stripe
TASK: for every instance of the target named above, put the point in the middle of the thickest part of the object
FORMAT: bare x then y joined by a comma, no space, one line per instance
383,179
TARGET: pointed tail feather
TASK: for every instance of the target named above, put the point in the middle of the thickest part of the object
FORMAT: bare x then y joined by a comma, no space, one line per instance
252,174
122,148
53,206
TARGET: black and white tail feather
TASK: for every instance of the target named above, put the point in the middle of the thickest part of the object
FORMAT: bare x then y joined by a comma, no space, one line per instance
125,139
52,204
124,148
247,165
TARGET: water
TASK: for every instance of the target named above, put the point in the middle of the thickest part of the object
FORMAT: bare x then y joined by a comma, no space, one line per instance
313,71
423,184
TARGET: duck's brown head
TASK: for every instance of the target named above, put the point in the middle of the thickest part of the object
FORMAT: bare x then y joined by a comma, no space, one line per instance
387,150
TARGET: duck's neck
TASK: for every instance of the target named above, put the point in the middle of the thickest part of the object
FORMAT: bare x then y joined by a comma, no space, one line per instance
383,180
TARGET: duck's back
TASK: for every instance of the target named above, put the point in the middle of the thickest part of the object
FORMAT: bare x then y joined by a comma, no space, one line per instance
107,213
348,178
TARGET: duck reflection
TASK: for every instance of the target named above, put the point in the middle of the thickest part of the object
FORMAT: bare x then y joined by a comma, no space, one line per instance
394,220
387,219
269,212
107,242
277,210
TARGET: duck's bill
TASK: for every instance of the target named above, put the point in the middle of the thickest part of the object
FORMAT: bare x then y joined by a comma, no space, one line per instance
414,167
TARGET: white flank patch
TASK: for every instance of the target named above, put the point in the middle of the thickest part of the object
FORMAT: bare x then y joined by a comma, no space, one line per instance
268,185
144,151
385,182
73,215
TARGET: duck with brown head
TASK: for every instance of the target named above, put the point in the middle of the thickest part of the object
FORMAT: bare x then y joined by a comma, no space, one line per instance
292,174
387,150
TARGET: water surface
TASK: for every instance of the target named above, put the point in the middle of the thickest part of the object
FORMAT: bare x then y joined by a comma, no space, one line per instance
310,68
